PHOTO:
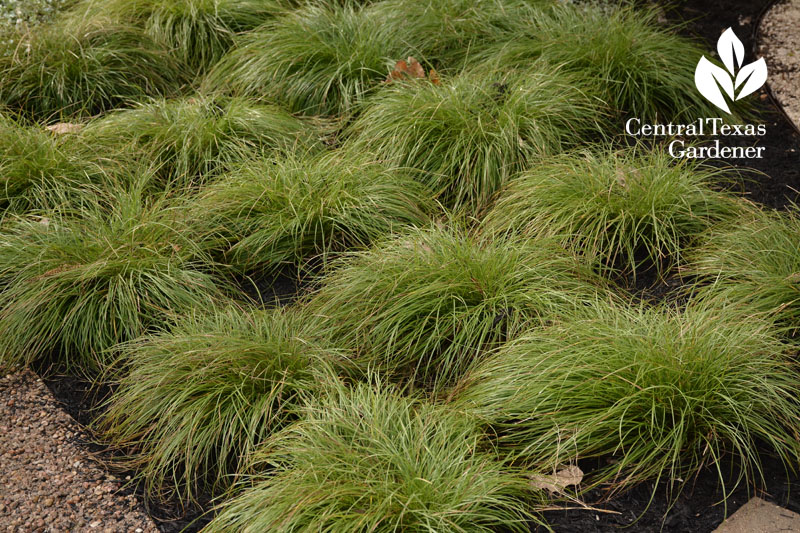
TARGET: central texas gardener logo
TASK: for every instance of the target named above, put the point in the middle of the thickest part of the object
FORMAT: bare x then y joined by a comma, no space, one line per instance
737,81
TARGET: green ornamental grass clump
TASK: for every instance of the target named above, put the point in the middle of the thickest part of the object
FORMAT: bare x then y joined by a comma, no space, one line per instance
621,209
370,459
660,392
639,67
422,306
81,277
198,32
81,68
753,261
292,210
192,403
439,188
470,134
31,157
188,139
319,59
448,32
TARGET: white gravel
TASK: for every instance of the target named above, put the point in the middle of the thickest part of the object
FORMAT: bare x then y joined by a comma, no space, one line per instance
24,13
48,480
780,46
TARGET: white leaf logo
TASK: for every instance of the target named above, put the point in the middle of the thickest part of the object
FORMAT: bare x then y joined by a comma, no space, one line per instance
755,73
729,48
715,83
709,78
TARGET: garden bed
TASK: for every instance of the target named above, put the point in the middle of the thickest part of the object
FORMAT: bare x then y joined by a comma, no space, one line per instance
293,208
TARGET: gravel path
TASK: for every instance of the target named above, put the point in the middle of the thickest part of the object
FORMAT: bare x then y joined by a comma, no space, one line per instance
48,482
780,46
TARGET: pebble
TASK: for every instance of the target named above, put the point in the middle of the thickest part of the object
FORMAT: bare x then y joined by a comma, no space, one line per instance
780,47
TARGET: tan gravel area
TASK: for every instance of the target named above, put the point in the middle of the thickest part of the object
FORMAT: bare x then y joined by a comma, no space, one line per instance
48,480
780,47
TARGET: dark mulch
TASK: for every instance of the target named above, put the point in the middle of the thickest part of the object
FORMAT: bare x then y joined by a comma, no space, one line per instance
698,509
777,180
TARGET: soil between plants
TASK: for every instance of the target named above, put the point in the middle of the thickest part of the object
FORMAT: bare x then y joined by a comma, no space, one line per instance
776,182
698,509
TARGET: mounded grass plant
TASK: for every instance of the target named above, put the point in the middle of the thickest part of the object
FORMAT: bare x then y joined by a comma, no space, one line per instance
661,392
188,139
84,276
31,157
754,262
640,67
198,32
321,58
370,459
420,307
192,403
459,331
79,68
447,32
471,133
295,209
621,209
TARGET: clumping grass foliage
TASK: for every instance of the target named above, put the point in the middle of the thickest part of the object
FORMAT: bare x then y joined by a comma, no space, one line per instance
639,67
663,392
319,59
79,279
753,261
31,157
198,32
290,210
442,191
372,460
80,68
619,208
424,305
447,32
195,401
189,138
472,132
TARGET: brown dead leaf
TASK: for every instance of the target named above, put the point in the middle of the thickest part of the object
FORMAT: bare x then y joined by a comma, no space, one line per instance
621,177
64,127
415,70
566,477
400,69
411,69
